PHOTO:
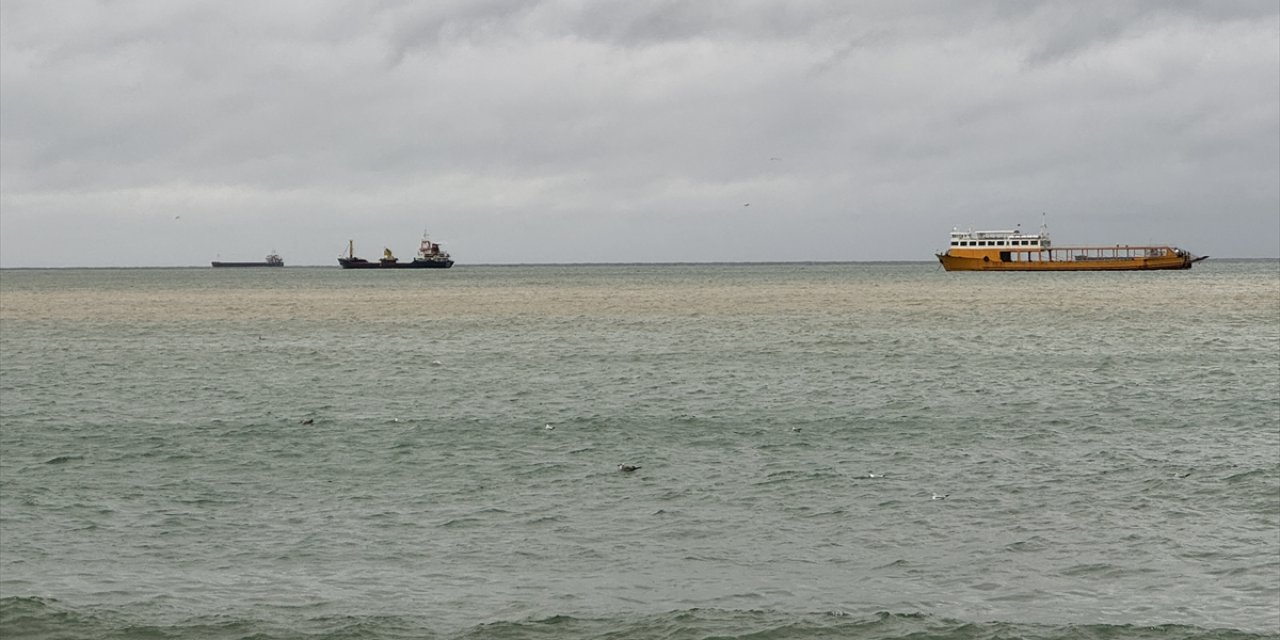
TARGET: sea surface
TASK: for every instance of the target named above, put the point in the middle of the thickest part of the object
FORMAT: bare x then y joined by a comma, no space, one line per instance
316,453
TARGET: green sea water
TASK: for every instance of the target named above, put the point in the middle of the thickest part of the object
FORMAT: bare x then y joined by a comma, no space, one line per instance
319,453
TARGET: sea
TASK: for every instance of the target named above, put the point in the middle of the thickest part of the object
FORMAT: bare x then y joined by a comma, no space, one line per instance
827,450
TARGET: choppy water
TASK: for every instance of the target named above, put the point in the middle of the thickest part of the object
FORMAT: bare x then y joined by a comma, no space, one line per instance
1110,445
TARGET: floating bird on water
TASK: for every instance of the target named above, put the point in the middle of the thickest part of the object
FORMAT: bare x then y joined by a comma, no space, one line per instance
795,428
549,428
309,421
940,497
628,468
875,475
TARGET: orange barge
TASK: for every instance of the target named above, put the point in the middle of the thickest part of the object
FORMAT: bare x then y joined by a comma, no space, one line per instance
1013,250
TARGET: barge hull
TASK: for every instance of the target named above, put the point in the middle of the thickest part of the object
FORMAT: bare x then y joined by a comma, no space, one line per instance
960,263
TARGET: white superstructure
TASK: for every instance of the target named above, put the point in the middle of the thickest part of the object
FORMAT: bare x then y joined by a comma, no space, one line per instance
1011,238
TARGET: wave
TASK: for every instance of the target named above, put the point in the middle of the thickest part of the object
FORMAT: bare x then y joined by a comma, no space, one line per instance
34,617
63,459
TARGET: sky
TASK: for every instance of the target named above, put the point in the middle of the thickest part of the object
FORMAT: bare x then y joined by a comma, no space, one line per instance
159,133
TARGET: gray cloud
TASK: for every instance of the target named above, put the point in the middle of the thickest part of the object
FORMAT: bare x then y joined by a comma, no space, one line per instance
565,131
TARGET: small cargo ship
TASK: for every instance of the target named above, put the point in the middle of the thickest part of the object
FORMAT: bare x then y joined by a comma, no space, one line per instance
430,256
1013,250
272,260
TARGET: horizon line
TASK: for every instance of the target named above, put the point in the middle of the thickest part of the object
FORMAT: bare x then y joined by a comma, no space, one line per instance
570,264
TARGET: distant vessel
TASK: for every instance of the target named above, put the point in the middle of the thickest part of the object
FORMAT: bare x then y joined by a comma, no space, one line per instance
430,256
273,260
1013,250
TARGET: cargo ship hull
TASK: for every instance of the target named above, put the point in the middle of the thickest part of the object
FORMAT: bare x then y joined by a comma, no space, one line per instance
360,263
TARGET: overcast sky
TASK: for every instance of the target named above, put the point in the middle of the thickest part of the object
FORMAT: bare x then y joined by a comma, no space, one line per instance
165,133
